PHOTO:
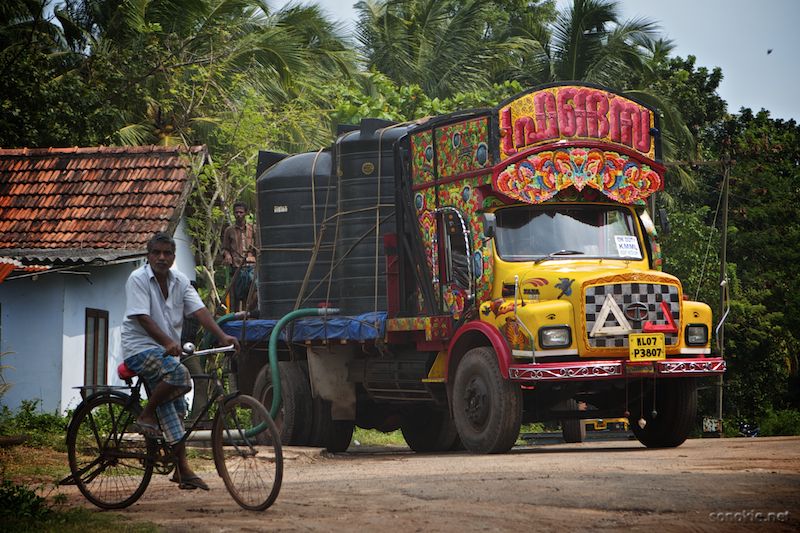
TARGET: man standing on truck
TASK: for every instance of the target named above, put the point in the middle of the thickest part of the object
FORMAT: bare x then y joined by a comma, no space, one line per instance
158,299
239,255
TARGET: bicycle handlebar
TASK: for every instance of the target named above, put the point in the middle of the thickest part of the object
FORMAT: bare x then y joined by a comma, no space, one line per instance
188,349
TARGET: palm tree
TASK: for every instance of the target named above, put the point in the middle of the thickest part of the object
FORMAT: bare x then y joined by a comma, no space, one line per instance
587,41
180,63
444,46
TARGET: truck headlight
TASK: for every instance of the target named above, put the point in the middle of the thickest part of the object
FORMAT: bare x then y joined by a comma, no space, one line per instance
696,334
555,337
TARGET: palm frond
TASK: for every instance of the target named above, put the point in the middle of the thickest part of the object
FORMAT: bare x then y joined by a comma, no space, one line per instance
135,134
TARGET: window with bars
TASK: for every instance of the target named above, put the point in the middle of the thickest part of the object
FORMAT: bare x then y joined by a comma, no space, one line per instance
96,347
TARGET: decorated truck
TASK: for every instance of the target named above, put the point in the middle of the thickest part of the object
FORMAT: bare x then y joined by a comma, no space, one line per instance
457,276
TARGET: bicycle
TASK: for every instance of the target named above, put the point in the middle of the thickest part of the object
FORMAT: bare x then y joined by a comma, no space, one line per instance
112,465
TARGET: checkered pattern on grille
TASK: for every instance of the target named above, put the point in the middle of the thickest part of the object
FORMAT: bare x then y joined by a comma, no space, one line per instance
650,294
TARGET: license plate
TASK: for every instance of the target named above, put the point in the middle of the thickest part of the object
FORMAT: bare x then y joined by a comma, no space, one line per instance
646,346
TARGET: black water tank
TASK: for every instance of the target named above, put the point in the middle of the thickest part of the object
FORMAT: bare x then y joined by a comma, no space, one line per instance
289,221
365,166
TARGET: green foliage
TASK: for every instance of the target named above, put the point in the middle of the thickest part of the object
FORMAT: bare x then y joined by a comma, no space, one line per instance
23,510
759,352
781,422
373,437
19,503
376,96
41,429
764,214
443,46
691,251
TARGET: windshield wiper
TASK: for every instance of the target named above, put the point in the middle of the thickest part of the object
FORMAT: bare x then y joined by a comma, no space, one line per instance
553,255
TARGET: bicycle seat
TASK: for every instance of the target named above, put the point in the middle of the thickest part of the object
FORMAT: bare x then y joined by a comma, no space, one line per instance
124,372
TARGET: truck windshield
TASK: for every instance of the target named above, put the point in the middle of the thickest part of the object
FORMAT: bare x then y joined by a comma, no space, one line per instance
526,233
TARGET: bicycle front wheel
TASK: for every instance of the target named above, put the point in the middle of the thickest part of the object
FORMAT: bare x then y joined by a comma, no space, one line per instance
247,452
110,464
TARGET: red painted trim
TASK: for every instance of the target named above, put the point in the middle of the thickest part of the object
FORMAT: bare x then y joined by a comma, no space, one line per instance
499,344
599,369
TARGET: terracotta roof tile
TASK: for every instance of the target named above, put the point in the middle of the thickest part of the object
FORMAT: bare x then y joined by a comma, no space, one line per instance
103,197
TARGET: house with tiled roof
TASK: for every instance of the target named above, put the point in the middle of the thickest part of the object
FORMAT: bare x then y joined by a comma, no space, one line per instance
74,222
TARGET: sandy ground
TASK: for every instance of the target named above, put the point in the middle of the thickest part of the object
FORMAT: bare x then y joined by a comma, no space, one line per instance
704,485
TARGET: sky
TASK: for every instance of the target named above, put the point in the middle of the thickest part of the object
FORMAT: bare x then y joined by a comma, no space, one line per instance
734,35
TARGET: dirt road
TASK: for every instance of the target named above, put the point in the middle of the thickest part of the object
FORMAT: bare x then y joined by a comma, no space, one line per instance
704,485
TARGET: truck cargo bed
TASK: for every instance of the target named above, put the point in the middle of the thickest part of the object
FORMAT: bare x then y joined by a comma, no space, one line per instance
359,328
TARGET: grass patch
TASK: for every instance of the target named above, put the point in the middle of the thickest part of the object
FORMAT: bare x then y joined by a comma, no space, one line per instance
28,464
79,520
373,437
23,510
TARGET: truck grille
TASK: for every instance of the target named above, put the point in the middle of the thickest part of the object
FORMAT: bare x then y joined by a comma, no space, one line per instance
624,294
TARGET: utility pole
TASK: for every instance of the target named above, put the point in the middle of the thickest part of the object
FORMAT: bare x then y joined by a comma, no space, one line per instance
724,305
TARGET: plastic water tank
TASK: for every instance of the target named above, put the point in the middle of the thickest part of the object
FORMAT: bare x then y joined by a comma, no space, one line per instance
293,202
365,165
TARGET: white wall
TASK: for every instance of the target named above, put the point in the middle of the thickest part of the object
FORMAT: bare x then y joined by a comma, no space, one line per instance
184,257
104,289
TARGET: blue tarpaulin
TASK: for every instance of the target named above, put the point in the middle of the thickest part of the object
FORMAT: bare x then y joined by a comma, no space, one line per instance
364,327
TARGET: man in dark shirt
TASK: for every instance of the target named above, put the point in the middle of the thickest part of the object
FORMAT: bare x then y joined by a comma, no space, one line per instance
239,255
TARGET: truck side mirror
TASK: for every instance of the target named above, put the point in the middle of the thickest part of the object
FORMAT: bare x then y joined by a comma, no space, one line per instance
663,221
489,225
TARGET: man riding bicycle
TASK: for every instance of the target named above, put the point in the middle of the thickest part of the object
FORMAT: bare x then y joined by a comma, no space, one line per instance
158,299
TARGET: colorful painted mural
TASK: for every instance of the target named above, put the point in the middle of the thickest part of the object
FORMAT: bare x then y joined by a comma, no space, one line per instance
466,196
462,147
459,148
569,112
422,170
541,176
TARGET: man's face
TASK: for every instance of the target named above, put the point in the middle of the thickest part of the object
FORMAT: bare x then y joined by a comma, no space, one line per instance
239,214
161,257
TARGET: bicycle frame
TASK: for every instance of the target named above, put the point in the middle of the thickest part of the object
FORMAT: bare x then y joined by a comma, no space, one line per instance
102,445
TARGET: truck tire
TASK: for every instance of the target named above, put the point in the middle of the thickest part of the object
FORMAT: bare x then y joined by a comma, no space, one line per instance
320,423
486,407
429,429
573,430
333,435
294,416
676,411
340,435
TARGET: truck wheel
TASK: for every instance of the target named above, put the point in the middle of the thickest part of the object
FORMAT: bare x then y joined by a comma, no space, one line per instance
487,408
676,410
572,430
320,423
333,435
294,416
340,435
428,429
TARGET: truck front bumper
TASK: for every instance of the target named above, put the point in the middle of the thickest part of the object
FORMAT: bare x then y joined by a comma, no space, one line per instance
616,369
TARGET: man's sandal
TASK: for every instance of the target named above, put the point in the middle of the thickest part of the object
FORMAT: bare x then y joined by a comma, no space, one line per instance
189,483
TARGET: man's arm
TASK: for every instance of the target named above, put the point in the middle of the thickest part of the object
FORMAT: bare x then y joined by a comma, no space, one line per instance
170,346
203,315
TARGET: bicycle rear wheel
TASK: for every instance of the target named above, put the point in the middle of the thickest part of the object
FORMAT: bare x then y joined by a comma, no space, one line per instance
247,452
110,464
